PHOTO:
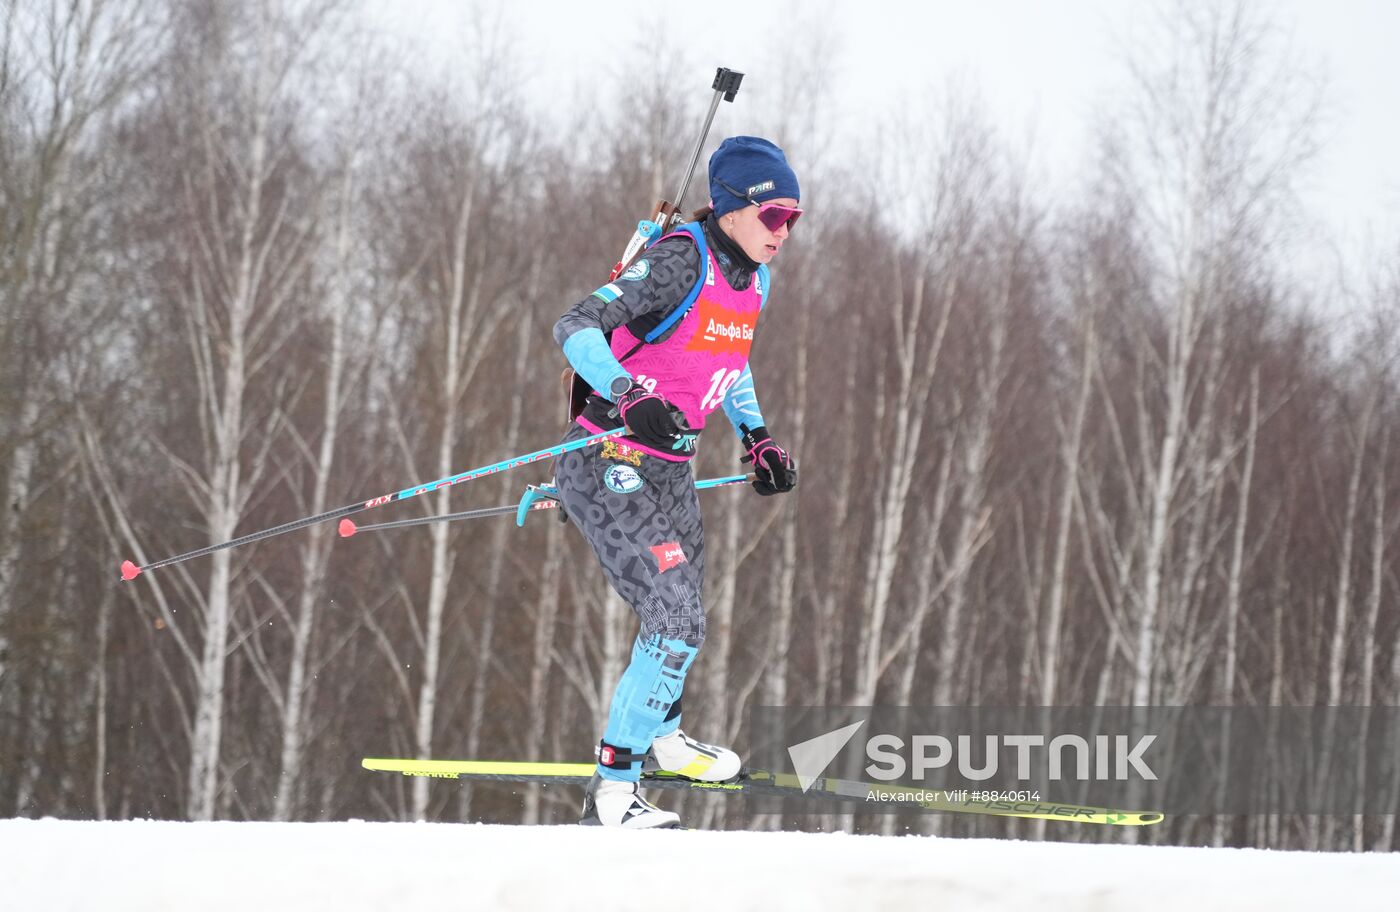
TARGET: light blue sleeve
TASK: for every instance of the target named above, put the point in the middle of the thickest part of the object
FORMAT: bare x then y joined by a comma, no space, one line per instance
588,351
741,404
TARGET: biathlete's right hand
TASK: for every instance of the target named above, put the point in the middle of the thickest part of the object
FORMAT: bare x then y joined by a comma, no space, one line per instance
653,421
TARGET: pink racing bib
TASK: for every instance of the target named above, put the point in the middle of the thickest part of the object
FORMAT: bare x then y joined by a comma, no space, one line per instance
703,357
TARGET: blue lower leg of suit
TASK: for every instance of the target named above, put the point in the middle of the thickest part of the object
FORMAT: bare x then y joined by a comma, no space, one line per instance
635,529
646,702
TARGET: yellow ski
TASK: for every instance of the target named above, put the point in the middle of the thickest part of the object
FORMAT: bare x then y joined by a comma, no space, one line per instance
770,784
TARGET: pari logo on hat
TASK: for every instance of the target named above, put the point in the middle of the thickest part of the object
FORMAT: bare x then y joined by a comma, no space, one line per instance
754,166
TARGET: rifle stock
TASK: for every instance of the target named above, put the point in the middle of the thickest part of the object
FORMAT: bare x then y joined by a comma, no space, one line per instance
664,217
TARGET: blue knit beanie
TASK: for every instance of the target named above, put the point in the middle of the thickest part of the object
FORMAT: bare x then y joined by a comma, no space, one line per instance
747,168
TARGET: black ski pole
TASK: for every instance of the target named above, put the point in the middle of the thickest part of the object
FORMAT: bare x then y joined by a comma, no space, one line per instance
130,569
536,497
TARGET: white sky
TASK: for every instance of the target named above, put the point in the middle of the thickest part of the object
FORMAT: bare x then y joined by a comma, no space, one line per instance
1042,65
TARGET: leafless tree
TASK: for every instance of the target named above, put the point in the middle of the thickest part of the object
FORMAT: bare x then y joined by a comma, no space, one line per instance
63,68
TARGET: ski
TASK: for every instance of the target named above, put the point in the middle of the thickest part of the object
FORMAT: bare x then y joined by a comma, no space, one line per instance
768,783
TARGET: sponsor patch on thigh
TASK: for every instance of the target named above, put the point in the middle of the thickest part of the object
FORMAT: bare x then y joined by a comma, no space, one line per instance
668,555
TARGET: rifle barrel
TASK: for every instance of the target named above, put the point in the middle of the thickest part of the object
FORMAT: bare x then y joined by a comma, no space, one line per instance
726,87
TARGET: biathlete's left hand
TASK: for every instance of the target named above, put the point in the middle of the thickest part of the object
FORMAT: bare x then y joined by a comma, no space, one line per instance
774,468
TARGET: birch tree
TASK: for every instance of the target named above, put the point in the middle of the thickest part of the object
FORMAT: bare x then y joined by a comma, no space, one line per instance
314,550
229,104
465,162
926,286
1215,139
63,67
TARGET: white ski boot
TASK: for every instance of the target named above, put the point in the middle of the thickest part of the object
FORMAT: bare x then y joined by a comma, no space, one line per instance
681,754
618,804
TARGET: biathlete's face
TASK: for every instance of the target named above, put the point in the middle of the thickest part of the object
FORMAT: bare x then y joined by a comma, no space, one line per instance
761,230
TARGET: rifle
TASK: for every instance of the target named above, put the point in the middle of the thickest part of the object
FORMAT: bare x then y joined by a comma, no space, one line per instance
664,217
666,214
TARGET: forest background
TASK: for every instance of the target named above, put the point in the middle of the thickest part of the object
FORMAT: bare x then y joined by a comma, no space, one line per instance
1122,445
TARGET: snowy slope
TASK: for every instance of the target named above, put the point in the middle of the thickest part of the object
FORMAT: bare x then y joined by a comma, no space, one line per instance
212,867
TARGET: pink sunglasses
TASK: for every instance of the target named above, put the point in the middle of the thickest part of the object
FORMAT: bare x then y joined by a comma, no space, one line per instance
771,215
774,216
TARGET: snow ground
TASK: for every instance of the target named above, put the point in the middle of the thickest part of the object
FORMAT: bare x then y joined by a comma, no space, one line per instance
211,867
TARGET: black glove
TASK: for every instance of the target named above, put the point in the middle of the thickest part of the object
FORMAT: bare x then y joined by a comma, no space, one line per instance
653,421
775,470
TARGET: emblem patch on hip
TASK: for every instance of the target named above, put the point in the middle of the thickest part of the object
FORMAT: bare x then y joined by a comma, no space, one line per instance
621,479
621,452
